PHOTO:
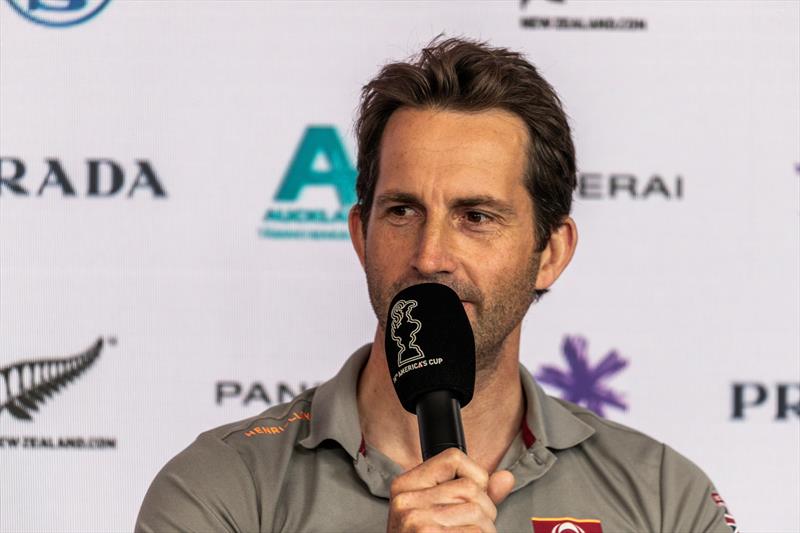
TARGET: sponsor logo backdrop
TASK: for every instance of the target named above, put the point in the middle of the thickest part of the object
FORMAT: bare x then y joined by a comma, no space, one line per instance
172,182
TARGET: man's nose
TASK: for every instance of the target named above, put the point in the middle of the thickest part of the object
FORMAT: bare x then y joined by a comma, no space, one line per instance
434,251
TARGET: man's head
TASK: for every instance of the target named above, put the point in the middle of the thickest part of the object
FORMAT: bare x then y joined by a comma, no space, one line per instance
462,75
466,171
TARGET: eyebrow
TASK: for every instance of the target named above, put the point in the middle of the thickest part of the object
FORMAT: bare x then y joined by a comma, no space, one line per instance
500,206
481,200
397,197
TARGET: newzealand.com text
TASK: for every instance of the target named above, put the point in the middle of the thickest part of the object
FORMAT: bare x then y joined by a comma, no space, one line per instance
569,23
61,443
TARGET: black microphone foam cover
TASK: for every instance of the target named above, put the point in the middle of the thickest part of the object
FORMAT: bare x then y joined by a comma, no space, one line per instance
429,344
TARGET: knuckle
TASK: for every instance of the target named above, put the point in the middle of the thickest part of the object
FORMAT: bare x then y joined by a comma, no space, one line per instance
401,501
410,520
452,453
467,488
471,488
482,478
448,458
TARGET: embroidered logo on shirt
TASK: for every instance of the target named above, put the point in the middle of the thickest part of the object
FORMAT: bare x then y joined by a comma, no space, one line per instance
275,430
728,517
566,524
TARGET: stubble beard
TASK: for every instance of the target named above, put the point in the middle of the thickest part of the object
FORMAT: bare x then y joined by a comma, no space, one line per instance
494,318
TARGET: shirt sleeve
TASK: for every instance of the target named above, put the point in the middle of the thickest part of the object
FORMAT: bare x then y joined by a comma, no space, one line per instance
206,487
689,501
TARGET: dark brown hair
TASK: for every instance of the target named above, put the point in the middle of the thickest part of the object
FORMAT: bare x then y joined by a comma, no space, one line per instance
464,75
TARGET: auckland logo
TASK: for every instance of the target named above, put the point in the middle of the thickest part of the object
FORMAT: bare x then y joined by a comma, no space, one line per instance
317,191
401,316
581,383
27,385
58,13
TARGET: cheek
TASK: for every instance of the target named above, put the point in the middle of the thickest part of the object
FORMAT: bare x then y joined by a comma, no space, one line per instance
499,273
389,248
486,268
383,261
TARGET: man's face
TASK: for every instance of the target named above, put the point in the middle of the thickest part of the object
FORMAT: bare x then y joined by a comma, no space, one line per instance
450,207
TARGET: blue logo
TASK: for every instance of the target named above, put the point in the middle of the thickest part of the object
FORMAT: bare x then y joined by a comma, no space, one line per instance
58,13
582,384
316,193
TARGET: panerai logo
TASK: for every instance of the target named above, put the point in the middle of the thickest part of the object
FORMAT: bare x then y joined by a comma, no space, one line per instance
404,329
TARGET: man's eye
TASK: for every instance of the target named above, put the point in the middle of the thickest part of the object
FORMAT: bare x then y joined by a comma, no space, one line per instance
400,211
476,217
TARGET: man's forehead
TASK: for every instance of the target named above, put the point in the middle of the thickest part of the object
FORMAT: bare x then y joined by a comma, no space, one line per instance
442,130
469,154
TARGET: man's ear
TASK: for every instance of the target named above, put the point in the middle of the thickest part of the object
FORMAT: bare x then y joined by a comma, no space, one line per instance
356,226
557,254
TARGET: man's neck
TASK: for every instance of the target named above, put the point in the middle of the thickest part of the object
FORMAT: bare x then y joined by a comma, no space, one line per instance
491,421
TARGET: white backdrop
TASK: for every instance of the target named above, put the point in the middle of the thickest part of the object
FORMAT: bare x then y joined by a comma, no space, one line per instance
204,320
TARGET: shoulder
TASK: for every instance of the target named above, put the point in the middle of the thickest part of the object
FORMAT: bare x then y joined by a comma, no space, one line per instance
682,494
277,427
630,448
218,481
619,443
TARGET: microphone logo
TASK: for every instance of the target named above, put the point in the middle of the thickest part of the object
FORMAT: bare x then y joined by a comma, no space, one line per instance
405,326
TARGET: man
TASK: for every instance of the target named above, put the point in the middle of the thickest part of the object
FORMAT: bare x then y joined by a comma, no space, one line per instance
466,171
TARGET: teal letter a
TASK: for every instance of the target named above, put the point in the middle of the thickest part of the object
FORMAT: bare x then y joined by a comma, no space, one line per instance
340,174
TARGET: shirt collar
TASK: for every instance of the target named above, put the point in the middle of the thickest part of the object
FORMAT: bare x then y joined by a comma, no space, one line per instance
552,424
334,408
334,412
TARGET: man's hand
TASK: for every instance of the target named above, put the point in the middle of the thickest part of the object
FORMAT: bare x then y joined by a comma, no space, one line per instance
448,492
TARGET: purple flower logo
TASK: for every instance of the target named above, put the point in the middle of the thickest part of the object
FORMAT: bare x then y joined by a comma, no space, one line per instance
582,384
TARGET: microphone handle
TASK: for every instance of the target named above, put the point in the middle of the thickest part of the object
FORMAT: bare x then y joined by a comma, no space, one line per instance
439,418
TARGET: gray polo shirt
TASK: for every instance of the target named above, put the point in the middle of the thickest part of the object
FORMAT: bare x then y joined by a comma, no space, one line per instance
304,467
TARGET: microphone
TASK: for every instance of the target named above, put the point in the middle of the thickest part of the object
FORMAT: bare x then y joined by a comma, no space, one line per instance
430,350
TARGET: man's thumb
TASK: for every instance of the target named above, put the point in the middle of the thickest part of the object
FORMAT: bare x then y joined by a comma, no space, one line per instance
500,485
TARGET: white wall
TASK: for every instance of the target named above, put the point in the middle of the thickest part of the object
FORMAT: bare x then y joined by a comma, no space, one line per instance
698,292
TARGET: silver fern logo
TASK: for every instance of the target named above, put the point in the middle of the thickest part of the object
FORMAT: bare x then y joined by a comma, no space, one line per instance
404,325
27,385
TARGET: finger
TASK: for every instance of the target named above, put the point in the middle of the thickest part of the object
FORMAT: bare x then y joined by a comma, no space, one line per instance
500,485
461,515
442,467
425,521
456,491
